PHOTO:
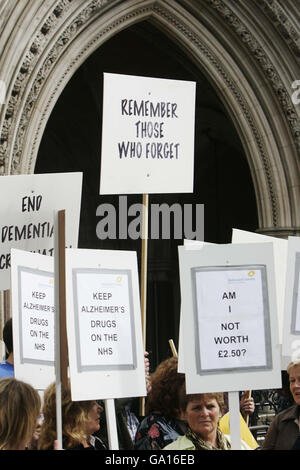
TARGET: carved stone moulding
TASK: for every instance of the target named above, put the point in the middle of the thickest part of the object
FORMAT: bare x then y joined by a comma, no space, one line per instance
268,68
29,105
282,22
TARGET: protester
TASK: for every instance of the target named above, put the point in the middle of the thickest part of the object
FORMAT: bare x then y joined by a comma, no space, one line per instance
285,398
202,413
80,420
247,405
20,406
296,445
284,428
162,423
7,366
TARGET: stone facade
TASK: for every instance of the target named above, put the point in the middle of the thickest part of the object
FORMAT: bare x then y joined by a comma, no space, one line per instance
249,51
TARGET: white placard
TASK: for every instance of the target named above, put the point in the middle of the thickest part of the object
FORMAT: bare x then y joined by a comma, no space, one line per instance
26,213
230,319
189,245
147,135
280,264
32,288
106,354
291,327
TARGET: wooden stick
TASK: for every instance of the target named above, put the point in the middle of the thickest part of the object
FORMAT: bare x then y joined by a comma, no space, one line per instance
61,356
173,349
144,279
62,299
7,305
248,395
144,265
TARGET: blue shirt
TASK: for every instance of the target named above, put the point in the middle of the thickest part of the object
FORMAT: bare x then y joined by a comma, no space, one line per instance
6,370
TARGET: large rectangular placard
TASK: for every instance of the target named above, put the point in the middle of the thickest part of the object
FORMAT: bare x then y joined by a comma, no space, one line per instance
295,320
147,135
291,330
106,354
32,289
27,209
280,247
230,334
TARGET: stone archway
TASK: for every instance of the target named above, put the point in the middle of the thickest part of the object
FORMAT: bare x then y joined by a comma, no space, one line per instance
46,42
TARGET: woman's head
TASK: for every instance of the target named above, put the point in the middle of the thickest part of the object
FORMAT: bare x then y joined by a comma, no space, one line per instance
294,378
79,418
165,386
20,406
202,412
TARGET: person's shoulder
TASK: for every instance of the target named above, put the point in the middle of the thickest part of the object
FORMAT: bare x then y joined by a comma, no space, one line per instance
151,419
289,413
6,370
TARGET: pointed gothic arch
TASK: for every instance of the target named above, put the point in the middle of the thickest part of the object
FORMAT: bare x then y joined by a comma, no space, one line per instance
225,41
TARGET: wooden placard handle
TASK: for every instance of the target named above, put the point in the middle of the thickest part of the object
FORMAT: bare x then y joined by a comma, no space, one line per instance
248,395
62,298
144,265
173,349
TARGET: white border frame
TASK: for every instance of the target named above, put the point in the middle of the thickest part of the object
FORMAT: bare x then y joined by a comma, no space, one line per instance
143,175
291,339
58,191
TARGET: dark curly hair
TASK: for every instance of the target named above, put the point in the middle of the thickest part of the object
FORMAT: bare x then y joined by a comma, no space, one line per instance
165,385
8,335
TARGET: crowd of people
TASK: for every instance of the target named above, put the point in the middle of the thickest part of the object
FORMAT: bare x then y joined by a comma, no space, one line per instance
174,420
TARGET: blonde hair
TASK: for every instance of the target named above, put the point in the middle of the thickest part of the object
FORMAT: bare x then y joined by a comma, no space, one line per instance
20,405
74,417
292,365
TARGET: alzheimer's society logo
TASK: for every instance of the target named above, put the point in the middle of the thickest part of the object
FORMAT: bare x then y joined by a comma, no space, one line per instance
2,92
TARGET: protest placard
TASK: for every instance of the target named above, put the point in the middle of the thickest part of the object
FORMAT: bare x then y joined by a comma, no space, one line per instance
291,326
26,213
189,245
147,135
280,247
32,288
230,318
106,353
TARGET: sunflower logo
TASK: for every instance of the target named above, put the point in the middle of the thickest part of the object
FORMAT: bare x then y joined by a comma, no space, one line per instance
251,273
